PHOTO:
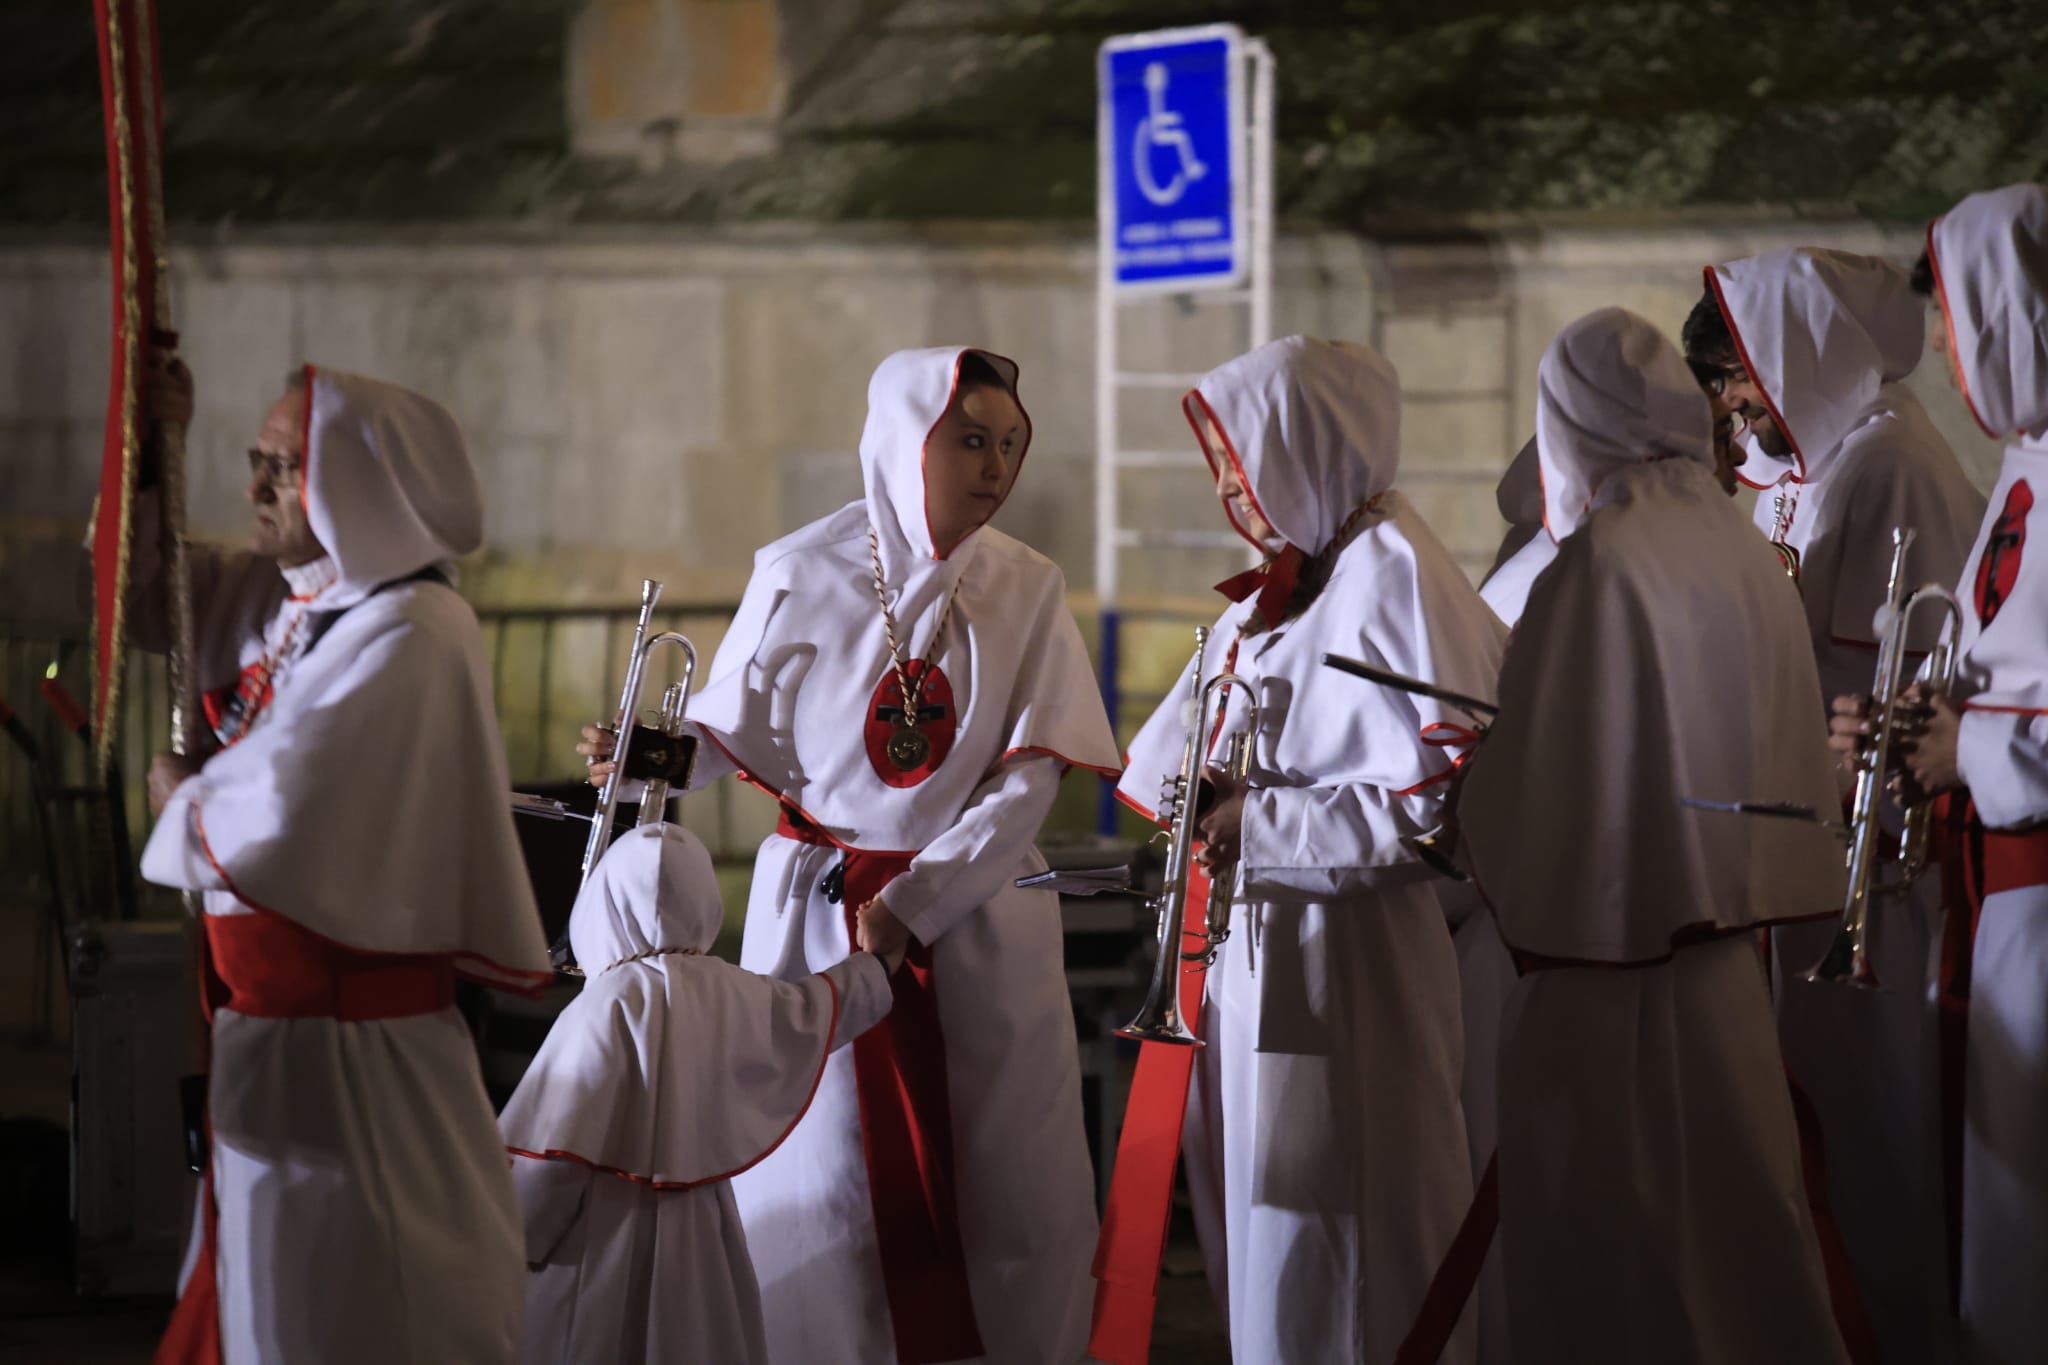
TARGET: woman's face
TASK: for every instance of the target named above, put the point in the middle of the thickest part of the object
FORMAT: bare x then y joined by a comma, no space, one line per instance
971,461
1236,498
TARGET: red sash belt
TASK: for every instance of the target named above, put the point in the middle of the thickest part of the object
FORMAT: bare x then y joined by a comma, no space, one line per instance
1134,1221
269,967
906,1124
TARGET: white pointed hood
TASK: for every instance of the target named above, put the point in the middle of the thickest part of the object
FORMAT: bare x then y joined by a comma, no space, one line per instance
387,483
1990,259
805,668
1611,393
1821,331
1312,427
673,1068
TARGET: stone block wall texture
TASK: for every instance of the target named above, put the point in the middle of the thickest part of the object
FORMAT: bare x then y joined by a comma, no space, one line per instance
660,404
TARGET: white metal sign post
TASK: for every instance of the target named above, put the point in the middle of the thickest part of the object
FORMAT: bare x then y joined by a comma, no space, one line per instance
1184,205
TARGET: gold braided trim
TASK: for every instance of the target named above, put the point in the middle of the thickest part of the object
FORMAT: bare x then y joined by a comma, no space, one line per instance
652,952
107,691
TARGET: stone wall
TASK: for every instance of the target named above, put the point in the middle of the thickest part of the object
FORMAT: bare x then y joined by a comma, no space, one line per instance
668,402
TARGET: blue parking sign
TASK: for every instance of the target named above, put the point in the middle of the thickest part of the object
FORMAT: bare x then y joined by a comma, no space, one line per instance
1172,146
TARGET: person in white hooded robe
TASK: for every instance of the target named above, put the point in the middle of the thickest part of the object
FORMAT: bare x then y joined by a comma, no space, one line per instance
1326,1150
1651,1201
355,855
1527,549
669,1074
1809,347
936,1202
1987,744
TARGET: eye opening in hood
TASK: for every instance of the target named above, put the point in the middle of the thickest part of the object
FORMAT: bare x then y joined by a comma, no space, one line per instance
1188,405
1948,322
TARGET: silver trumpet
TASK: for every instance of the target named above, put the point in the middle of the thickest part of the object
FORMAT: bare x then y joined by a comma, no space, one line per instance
1159,1019
662,755
1847,961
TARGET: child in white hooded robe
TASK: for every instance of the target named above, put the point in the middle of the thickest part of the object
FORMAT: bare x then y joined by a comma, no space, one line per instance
672,1072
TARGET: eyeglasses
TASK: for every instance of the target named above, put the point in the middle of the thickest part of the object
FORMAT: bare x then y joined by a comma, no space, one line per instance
277,470
1715,379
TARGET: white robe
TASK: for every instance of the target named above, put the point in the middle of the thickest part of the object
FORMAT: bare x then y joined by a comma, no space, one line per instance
791,692
668,1074
1989,255
1324,1140
363,1207
1831,336
1651,1200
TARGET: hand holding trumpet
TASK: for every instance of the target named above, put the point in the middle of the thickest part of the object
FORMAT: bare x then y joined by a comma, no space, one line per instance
1923,738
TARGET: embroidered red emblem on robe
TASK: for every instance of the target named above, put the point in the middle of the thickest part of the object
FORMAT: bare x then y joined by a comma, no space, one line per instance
2000,567
936,718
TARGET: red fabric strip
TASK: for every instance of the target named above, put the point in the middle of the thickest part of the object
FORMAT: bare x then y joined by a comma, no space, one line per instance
1134,1221
1844,1299
270,967
2011,861
906,1124
1457,1275
193,1337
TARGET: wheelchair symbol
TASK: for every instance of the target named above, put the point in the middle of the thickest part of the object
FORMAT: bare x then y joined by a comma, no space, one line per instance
1161,127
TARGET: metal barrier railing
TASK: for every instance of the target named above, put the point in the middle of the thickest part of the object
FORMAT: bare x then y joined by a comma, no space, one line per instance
553,670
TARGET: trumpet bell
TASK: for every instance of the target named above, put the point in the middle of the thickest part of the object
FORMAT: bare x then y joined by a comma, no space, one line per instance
1165,1026
1847,964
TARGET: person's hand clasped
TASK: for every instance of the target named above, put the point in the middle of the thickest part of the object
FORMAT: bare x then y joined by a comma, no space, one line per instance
1849,728
882,934
1927,748
596,749
1222,825
166,771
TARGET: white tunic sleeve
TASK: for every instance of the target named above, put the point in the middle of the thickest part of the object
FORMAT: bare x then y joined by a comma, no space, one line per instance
1316,843
966,866
864,997
179,859
2003,759
551,1196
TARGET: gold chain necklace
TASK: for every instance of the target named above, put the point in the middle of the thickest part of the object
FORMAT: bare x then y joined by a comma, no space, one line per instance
908,746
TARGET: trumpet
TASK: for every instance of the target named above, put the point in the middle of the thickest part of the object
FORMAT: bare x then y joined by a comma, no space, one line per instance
1847,961
662,755
1159,1019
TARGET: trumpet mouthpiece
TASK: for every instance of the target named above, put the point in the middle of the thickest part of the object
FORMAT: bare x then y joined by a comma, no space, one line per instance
650,592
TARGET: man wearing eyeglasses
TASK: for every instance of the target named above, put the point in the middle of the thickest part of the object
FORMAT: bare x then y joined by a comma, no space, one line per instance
348,838
1809,348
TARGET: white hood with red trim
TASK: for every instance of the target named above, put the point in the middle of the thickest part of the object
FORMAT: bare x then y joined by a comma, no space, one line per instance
1663,655
1990,258
1611,393
794,685
678,1068
388,484
1314,428
1821,331
1990,255
368,802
